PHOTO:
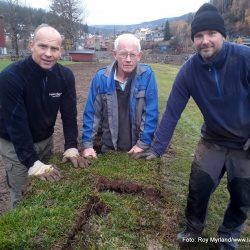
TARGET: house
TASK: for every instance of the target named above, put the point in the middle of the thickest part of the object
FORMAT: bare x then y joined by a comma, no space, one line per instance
243,40
157,36
82,55
97,42
150,35
246,41
3,50
142,34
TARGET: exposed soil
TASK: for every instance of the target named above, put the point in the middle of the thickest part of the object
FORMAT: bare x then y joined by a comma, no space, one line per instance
126,187
83,75
95,206
4,190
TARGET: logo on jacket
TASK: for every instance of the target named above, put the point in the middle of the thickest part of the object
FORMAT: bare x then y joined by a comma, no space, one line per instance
54,95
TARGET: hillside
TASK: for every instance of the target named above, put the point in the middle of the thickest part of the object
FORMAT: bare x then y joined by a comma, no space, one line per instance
236,14
111,29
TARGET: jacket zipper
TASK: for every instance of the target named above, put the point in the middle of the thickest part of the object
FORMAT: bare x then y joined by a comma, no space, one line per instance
217,83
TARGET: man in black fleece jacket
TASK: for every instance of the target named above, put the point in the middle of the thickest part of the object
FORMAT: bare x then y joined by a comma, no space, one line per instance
32,91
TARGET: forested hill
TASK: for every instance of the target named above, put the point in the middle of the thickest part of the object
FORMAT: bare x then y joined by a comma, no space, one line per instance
235,12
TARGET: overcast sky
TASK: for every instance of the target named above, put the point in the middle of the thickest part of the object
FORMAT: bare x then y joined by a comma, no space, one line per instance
100,12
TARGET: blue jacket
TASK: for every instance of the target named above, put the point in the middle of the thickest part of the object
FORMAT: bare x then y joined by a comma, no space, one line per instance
221,90
101,106
30,99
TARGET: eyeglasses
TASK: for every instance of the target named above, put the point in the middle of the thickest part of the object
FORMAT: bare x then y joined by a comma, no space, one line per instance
124,55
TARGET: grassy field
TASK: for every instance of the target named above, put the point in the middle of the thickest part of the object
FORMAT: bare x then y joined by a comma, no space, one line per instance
76,213
4,63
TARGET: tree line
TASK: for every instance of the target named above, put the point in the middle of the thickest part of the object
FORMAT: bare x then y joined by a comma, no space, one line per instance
20,21
236,14
68,16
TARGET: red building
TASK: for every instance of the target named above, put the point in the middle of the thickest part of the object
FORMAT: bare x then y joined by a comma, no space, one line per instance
82,55
2,37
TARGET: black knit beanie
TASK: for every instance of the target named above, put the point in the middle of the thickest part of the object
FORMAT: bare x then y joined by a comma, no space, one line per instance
207,17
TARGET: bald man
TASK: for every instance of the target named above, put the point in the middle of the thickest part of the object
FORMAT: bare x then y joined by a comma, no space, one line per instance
32,91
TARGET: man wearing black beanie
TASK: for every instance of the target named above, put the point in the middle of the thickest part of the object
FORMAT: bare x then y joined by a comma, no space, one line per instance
217,77
207,18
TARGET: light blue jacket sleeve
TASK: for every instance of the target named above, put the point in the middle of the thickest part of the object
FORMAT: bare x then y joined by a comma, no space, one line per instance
92,114
150,117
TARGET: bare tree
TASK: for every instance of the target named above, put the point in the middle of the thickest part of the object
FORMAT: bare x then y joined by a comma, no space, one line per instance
15,26
72,14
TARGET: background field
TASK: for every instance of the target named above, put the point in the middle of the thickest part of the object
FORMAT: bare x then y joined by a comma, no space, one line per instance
145,210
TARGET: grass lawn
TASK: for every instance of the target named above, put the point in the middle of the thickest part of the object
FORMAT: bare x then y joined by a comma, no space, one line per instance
77,213
4,63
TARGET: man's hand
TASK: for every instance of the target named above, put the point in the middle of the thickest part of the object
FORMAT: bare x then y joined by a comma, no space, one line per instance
149,154
135,149
74,157
89,153
45,172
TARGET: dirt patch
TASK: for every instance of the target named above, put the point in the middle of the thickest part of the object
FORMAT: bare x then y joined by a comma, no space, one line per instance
83,75
4,190
124,187
95,206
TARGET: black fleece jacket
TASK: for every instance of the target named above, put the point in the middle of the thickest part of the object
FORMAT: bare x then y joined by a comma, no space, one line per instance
30,98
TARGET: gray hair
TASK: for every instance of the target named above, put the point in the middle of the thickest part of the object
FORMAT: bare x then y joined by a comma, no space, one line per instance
127,37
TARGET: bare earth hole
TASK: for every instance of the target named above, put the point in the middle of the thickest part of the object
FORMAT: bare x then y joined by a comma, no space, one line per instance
95,206
122,187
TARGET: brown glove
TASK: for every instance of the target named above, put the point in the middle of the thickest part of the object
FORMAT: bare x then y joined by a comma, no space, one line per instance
149,154
45,172
53,175
74,157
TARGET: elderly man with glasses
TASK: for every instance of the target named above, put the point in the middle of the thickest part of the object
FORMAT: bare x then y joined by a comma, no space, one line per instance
122,102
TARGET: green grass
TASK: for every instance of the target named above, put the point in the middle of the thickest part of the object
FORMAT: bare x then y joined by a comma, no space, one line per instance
50,210
4,63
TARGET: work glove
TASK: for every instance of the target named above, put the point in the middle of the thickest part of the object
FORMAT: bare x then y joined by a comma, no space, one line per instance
135,150
45,172
89,153
148,154
74,157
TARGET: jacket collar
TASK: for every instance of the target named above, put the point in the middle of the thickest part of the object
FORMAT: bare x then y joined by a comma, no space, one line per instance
111,68
34,66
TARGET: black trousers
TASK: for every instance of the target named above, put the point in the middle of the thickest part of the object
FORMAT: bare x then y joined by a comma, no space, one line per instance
209,165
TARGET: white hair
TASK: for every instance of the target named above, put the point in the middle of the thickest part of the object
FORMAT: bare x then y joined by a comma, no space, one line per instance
127,37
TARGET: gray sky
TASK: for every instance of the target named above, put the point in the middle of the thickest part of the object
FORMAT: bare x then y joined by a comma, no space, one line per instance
128,11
